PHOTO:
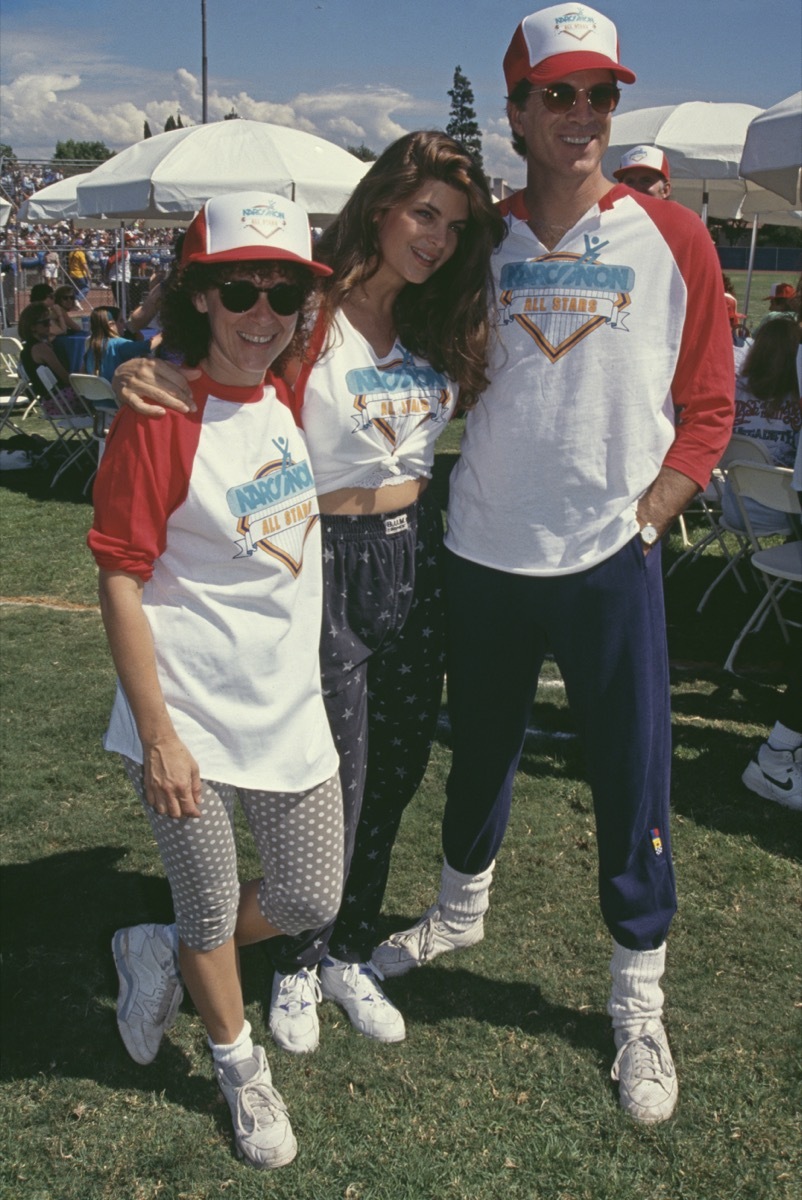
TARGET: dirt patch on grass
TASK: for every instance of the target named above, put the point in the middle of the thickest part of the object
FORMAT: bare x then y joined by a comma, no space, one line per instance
46,602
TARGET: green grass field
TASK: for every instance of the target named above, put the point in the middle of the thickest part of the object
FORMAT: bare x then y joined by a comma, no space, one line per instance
501,1090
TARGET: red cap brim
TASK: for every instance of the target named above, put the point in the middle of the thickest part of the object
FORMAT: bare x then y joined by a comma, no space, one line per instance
255,254
559,65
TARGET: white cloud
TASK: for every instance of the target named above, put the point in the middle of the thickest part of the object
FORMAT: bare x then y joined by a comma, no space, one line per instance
85,102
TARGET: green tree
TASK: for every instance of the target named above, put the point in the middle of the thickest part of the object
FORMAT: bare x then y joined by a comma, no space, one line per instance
363,152
146,133
462,125
85,151
7,152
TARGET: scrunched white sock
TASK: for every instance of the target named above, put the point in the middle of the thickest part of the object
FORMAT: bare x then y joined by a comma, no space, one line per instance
464,898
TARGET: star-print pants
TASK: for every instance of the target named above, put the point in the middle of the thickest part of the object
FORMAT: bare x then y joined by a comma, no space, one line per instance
382,662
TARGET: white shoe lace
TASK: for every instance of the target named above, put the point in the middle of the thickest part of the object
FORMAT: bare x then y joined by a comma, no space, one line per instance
421,936
299,989
649,1058
260,1103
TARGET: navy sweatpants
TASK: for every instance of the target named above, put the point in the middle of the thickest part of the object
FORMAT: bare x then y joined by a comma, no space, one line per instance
606,629
382,660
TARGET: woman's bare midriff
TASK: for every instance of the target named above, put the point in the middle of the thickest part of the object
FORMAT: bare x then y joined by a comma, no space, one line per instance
353,501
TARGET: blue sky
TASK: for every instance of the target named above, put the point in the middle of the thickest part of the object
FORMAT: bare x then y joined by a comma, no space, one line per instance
351,70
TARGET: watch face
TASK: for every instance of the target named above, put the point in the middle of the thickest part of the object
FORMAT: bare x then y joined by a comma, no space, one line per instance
648,535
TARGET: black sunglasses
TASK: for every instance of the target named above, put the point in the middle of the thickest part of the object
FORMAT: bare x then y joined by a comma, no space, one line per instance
240,295
561,97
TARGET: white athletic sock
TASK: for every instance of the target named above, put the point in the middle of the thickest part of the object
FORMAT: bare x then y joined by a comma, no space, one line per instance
240,1050
464,899
783,738
636,995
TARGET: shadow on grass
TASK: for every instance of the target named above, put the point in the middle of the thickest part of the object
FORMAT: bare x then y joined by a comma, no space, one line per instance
35,481
430,997
59,982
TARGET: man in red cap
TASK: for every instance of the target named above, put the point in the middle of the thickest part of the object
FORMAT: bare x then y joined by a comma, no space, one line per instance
573,466
646,169
782,298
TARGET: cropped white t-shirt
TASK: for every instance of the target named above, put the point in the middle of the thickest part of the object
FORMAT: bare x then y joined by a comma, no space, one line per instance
370,420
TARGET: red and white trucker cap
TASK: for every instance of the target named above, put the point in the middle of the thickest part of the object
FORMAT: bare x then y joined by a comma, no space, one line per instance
644,156
246,226
552,43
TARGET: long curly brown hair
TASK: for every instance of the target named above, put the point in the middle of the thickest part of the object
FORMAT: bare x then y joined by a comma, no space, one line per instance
446,319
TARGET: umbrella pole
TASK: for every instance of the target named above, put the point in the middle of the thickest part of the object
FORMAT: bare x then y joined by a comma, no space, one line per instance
752,246
123,282
705,201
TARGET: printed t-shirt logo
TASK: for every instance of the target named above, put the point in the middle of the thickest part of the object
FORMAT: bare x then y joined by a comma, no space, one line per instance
394,399
276,509
561,298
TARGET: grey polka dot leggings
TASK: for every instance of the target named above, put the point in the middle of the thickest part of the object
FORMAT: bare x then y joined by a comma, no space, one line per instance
299,838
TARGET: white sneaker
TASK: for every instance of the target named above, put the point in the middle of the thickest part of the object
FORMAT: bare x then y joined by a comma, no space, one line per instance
262,1131
150,988
354,987
293,1011
776,775
644,1068
423,942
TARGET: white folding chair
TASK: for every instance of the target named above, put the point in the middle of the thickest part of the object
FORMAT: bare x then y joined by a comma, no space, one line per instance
780,567
73,430
10,348
708,503
20,401
98,396
739,449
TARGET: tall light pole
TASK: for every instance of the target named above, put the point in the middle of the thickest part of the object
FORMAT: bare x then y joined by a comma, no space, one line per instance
204,63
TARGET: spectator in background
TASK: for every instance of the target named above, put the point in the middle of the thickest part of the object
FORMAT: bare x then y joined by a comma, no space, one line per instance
78,270
36,331
105,349
8,291
42,293
782,298
50,267
646,169
767,408
118,274
63,305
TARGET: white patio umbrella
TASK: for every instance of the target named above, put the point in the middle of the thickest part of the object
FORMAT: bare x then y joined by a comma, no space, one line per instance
59,202
772,153
174,173
703,141
56,202
5,211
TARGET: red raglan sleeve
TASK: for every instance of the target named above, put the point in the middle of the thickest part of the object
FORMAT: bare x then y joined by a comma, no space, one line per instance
143,477
703,388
